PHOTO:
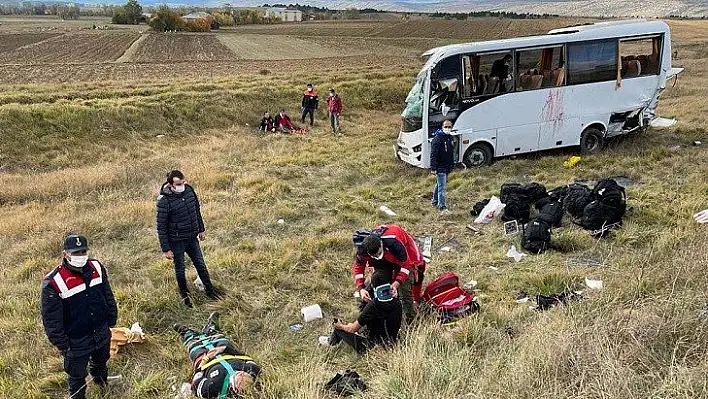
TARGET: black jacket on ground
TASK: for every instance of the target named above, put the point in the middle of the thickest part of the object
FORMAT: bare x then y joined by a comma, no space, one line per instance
81,323
179,217
442,153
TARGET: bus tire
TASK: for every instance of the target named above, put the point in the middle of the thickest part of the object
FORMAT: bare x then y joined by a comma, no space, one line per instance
478,155
591,141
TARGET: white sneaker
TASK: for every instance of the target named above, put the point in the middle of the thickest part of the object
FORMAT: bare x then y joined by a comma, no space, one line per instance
445,212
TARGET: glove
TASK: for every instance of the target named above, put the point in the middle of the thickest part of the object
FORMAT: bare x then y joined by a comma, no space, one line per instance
701,217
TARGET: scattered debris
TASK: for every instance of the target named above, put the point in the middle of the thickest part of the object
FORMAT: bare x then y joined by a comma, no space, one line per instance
675,147
159,136
474,230
701,217
323,340
281,221
572,161
697,143
387,210
593,283
121,336
493,268
312,312
470,285
660,123
513,253
296,327
544,302
115,377
349,383
357,294
449,245
198,284
511,228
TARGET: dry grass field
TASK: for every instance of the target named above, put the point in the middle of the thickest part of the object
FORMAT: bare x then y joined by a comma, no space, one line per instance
80,152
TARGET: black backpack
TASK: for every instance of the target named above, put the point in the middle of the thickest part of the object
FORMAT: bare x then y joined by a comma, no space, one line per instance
478,207
558,193
577,197
550,210
507,189
535,191
598,215
611,194
537,236
517,207
349,383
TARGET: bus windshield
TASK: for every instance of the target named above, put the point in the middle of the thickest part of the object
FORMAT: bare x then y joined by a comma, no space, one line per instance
412,116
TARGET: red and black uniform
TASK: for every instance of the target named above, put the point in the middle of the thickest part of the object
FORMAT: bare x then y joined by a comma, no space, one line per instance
78,309
402,259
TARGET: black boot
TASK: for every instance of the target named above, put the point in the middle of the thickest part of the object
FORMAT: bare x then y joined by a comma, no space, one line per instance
186,302
212,324
212,293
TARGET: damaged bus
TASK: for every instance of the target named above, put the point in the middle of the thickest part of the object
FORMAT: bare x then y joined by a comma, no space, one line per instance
575,86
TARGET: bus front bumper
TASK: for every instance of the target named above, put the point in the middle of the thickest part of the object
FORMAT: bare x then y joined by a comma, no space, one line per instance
407,155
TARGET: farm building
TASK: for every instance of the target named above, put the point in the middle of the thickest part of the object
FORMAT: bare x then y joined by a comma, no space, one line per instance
284,14
196,16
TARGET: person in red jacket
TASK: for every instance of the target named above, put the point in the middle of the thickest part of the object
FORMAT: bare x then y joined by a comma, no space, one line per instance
391,250
334,106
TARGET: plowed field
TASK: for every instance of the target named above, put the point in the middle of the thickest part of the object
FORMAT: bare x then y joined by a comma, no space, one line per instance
73,48
12,41
181,47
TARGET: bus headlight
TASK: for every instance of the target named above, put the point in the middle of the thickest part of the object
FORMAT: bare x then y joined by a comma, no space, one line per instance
418,148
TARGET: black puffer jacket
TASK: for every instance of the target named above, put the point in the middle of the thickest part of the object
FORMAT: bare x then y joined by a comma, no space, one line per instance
178,216
442,153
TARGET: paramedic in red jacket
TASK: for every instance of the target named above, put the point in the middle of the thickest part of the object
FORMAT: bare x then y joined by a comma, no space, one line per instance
390,248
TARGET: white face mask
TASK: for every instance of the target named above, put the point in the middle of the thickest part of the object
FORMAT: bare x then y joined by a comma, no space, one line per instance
309,89
447,130
78,261
379,257
178,189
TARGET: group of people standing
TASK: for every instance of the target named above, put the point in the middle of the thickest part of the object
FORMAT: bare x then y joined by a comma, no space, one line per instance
79,308
309,105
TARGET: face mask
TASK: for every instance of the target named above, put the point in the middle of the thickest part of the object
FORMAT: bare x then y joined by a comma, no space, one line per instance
331,94
78,261
178,189
447,130
309,89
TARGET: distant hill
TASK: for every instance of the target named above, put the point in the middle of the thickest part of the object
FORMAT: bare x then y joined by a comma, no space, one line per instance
592,8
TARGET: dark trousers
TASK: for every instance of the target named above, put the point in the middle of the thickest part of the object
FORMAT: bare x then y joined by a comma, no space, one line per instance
190,247
306,111
75,367
359,342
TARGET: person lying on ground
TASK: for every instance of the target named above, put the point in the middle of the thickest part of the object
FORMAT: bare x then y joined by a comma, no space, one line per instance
267,123
381,316
220,369
283,122
389,248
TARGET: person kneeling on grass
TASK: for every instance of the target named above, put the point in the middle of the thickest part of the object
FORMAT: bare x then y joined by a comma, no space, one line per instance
381,316
283,122
267,123
220,369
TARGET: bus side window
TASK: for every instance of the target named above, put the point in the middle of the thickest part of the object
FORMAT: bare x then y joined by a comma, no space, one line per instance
590,62
540,68
488,74
640,57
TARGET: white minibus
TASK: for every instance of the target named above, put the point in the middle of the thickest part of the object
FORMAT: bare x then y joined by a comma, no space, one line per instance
575,86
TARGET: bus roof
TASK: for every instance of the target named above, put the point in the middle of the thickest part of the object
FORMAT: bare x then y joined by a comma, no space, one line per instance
600,30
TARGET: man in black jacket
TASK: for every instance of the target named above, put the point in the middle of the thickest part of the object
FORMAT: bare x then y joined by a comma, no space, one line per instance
180,227
442,159
382,317
78,310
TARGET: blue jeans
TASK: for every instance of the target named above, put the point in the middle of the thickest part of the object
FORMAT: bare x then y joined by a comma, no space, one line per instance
190,247
439,190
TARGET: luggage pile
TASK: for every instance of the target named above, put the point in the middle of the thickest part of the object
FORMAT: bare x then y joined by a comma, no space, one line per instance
598,210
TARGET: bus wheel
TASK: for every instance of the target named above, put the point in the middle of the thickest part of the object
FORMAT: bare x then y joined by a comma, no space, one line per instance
591,141
477,155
